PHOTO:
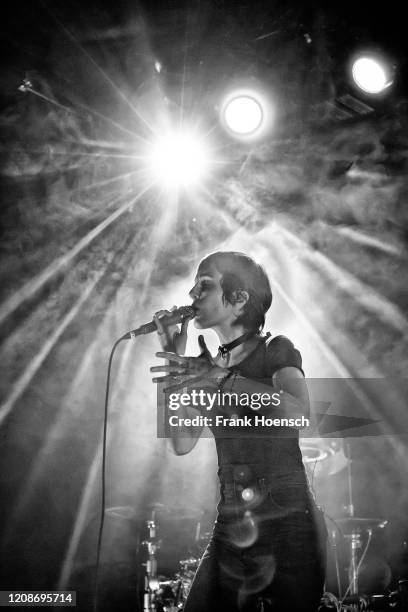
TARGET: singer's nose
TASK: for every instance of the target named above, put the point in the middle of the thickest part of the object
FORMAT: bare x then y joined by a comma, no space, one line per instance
194,292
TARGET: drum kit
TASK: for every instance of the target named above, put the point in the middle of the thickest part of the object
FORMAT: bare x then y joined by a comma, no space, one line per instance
349,544
353,535
169,595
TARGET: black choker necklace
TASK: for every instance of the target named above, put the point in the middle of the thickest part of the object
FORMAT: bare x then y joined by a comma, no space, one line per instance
225,349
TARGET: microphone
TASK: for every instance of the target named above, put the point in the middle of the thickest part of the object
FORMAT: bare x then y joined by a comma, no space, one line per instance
177,316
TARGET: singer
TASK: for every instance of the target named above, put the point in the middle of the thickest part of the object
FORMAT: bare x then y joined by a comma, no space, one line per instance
267,550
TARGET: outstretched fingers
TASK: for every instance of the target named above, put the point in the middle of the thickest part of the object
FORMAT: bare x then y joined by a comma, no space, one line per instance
169,367
172,356
182,383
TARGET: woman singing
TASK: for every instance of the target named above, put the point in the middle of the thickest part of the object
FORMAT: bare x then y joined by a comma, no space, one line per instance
267,549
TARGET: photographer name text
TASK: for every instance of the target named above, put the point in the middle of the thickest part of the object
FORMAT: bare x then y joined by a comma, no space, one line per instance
245,421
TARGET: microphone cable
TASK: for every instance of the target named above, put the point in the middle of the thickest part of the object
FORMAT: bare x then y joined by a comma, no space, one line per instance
183,311
103,476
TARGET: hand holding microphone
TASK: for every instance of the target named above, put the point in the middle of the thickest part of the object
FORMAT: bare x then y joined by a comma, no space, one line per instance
182,315
172,338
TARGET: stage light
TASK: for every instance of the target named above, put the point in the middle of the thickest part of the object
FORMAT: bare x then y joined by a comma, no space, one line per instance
371,74
179,158
245,114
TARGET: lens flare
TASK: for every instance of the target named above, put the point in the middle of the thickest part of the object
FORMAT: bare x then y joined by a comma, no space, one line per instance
248,494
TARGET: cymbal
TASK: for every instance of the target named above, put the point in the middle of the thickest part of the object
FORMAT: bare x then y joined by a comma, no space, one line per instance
122,512
156,506
352,524
164,511
130,513
183,514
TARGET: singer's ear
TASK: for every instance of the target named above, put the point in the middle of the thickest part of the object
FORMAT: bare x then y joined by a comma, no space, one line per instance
239,297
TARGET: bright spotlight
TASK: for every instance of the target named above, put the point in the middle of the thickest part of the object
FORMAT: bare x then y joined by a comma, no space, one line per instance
371,74
245,114
179,158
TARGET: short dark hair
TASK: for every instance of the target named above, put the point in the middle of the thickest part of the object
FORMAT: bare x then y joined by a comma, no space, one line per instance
241,273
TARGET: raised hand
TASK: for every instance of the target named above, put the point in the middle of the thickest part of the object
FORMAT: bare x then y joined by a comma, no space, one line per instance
187,371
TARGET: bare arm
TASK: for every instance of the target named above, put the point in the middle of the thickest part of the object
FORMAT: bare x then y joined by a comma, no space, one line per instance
172,338
295,399
288,382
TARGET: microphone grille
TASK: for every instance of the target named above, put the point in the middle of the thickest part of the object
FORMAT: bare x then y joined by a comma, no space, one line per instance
187,311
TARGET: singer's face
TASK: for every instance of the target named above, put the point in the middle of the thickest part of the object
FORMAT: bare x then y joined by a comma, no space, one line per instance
211,310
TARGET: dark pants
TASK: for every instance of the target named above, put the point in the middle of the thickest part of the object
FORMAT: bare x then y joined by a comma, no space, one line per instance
268,558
